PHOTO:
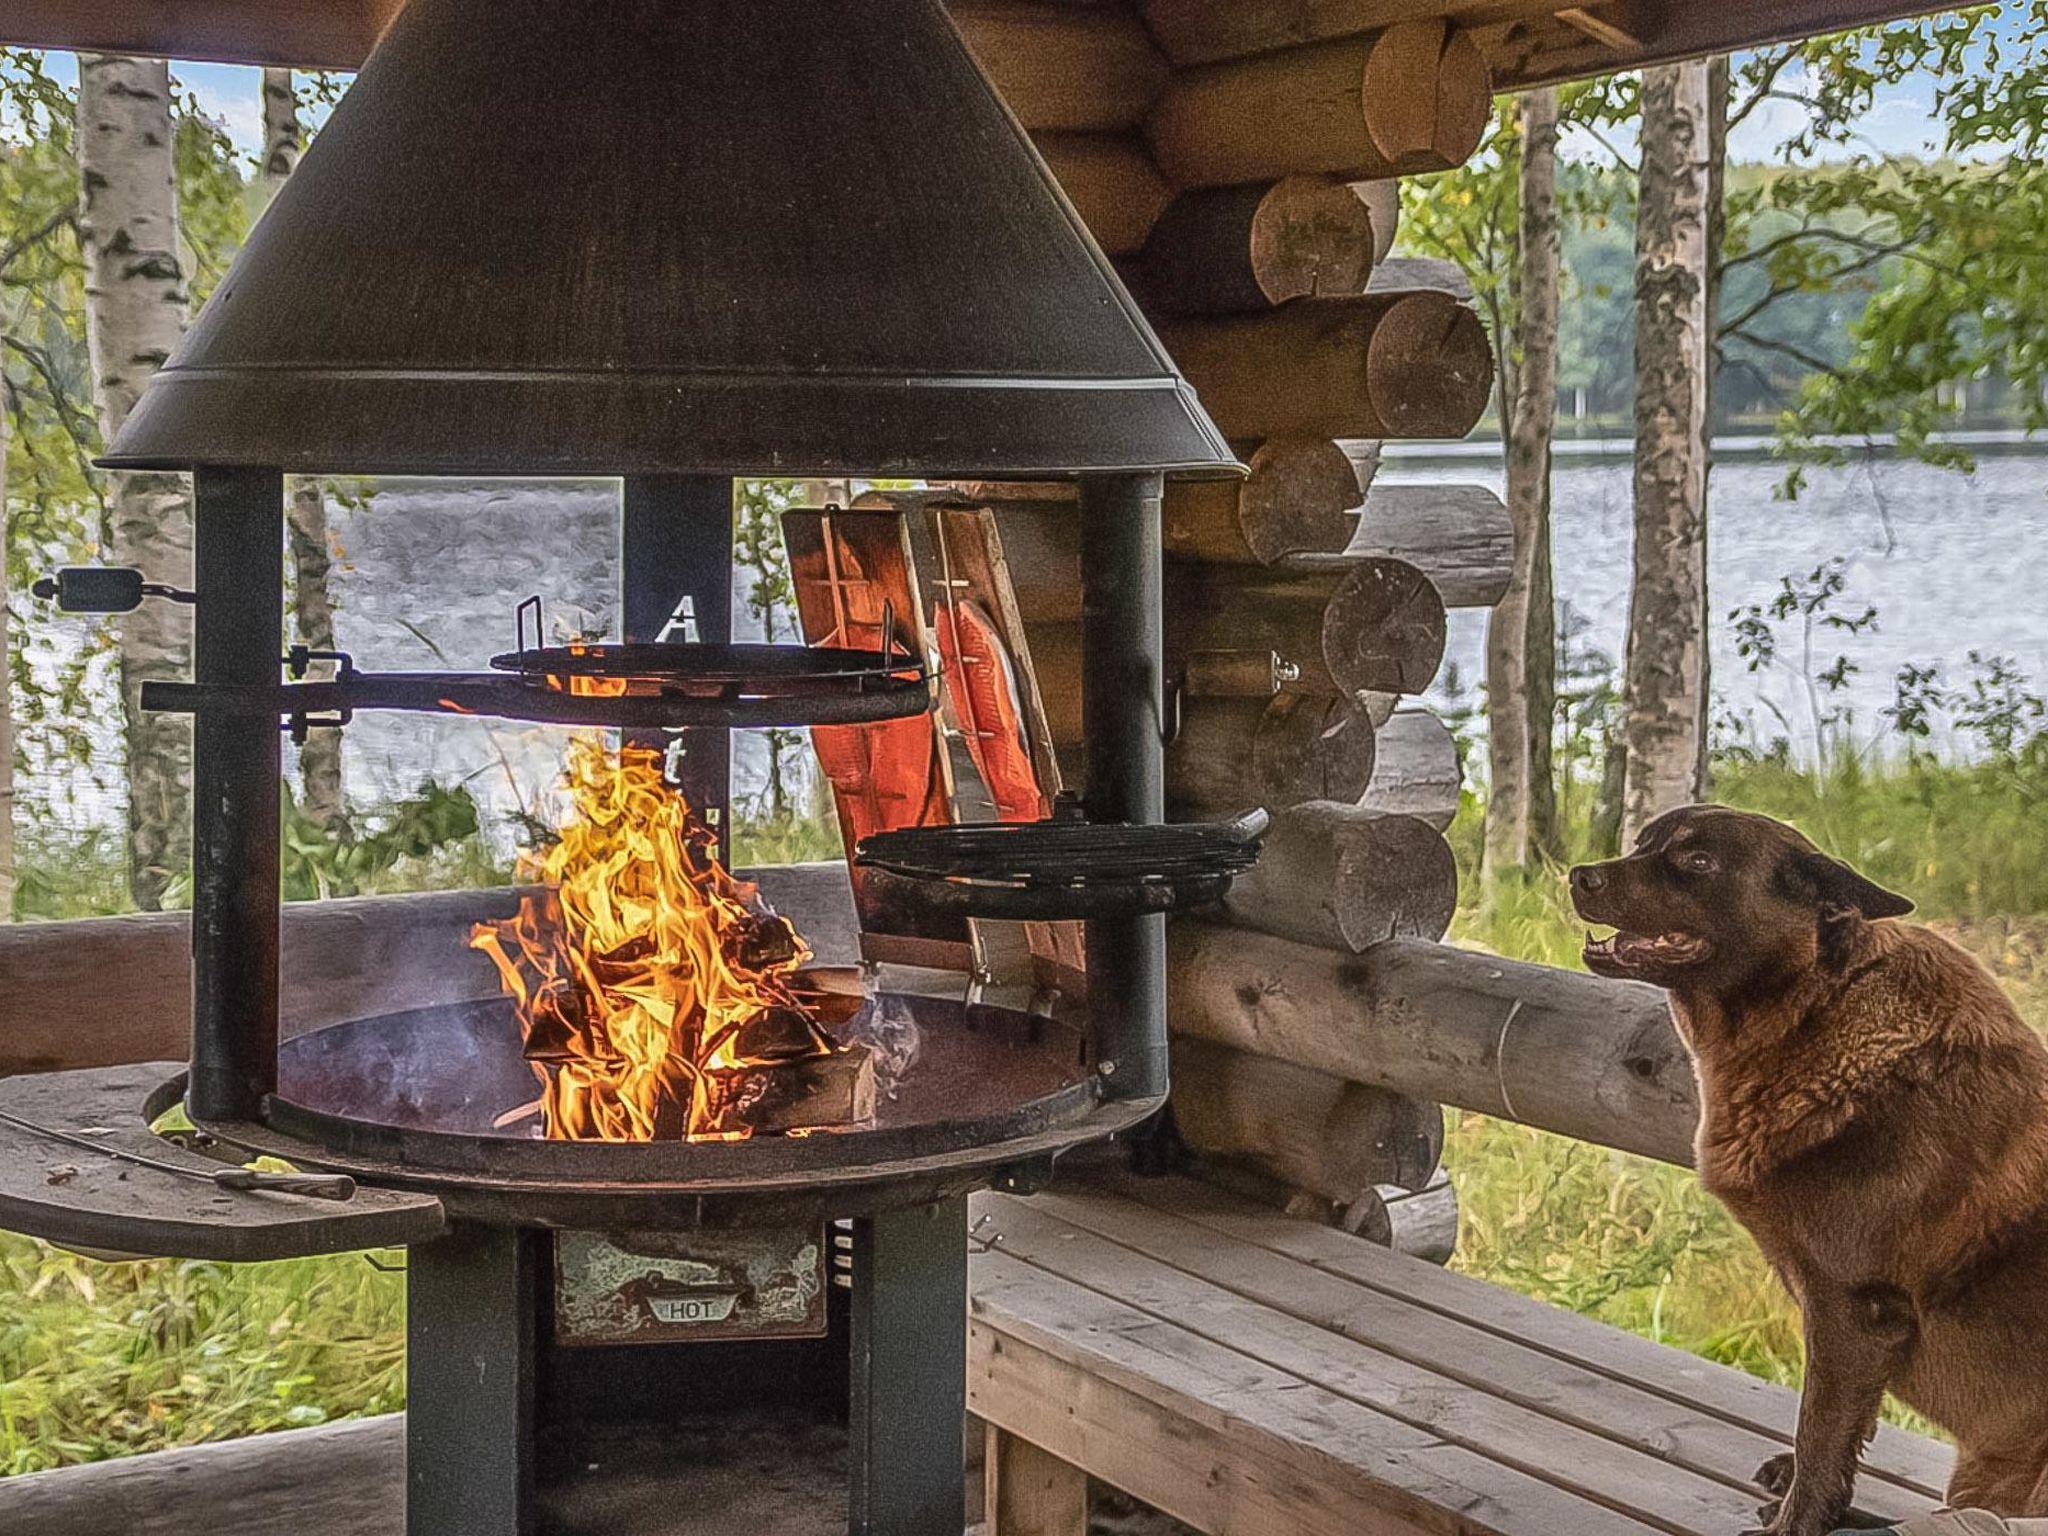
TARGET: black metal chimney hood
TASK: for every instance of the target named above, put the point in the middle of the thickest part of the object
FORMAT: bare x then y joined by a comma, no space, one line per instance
672,236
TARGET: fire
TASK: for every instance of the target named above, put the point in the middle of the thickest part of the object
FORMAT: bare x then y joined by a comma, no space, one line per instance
654,993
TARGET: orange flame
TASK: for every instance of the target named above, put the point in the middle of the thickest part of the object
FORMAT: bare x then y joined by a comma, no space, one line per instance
646,978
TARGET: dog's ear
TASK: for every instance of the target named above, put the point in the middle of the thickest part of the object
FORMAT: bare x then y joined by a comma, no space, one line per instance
1839,890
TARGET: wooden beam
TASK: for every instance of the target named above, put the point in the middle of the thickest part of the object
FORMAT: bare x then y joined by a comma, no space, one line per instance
1112,183
1592,1059
1204,31
1031,1492
1403,102
1232,754
1242,249
307,34
1064,68
1333,1140
1416,769
1458,536
1346,878
1407,365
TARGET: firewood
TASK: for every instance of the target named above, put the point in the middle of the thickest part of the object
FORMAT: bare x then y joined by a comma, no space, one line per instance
1406,101
1456,535
1335,1140
1346,878
1591,1059
1112,183
1239,250
835,1092
1203,31
1371,626
1402,365
1061,68
1235,753
1416,770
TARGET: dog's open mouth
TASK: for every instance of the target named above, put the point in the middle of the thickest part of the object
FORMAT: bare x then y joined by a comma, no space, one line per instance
1637,954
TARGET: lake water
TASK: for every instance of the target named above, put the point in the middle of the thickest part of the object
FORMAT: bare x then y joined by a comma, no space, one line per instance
1952,563
428,576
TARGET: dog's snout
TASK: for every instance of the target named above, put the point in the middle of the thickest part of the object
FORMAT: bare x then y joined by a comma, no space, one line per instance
1588,879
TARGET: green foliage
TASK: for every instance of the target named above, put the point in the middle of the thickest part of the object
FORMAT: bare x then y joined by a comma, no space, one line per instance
318,864
100,1360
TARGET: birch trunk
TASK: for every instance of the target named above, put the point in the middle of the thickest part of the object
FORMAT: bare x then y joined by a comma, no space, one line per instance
6,659
1518,678
1666,683
135,310
321,794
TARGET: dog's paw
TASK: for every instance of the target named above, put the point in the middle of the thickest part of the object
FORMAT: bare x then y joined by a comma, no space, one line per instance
1775,1475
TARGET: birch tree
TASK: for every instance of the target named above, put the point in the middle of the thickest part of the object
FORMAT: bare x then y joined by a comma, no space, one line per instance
322,798
1521,636
135,313
1665,685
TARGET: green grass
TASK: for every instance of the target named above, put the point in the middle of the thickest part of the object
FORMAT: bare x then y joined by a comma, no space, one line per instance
100,1360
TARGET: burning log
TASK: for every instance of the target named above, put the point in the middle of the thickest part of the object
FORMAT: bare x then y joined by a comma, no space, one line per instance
1592,1059
1334,1140
1386,365
1234,753
1370,627
1112,183
1346,878
1239,250
804,1093
656,1001
1061,68
1417,770
1402,102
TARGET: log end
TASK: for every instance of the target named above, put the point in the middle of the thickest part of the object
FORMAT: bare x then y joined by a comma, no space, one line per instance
1311,237
1429,367
1428,94
1384,630
1302,498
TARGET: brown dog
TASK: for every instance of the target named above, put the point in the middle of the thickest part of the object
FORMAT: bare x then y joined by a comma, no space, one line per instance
1876,1114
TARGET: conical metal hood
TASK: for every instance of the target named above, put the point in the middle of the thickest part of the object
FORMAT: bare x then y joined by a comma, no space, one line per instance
648,236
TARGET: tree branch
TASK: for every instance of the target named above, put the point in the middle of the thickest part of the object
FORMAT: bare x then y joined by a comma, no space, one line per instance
65,217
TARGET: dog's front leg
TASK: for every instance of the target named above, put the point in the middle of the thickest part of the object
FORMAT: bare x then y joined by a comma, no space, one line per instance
1855,1342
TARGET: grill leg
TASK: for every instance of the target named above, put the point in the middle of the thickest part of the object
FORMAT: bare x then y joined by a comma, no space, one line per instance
1122,708
909,1372
472,1308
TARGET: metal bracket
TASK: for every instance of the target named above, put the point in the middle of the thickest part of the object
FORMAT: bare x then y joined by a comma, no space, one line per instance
105,589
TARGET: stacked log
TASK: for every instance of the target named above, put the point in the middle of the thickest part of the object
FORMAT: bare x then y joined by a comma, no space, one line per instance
1411,99
1249,196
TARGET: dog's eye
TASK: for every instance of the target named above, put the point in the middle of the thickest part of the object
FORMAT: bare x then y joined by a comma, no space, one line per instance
1697,861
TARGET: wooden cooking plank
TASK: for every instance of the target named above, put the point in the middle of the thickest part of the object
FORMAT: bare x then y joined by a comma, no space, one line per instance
76,1198
1726,1453
1222,1441
1908,1460
1600,1470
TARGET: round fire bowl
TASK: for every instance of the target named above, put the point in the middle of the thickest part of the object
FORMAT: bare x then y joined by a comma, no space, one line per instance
431,1100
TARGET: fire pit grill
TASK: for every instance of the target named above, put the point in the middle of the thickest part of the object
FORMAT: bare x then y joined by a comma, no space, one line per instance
672,318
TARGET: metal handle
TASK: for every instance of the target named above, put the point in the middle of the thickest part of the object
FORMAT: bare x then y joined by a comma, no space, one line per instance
316,1186
104,589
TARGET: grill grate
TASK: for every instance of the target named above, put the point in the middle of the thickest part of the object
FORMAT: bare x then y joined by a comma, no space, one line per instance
1054,870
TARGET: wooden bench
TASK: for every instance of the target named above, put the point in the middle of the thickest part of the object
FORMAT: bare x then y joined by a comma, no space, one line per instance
1249,1373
